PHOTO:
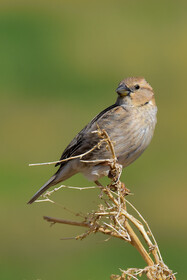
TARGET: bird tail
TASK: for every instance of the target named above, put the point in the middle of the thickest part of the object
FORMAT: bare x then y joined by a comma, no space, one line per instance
47,185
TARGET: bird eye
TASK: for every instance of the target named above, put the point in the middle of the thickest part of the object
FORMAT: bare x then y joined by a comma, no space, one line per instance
136,86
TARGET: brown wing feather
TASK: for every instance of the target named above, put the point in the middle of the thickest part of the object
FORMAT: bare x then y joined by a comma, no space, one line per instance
76,143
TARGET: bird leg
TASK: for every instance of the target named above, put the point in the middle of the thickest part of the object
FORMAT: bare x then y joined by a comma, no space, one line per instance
101,187
98,183
113,185
114,175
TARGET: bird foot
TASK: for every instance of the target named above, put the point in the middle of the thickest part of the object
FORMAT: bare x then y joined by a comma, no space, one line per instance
124,191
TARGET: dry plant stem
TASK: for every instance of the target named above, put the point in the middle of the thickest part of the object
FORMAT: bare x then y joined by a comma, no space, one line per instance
116,213
70,158
107,138
66,222
158,256
135,241
96,228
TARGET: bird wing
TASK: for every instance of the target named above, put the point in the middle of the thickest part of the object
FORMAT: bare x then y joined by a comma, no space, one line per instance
73,148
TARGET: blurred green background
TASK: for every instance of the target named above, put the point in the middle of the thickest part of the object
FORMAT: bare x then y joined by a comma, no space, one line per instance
60,63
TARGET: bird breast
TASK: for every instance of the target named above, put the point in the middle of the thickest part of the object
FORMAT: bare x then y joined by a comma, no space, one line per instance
134,134
129,128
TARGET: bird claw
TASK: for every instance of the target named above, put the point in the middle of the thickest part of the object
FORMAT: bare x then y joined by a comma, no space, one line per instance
114,187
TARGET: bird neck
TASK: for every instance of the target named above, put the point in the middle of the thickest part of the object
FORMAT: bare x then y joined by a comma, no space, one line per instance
123,101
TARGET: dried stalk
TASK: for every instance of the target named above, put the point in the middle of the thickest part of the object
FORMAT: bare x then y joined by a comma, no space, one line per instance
74,157
115,209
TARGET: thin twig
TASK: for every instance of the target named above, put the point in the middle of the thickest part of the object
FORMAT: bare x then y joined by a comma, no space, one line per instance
70,158
156,245
67,222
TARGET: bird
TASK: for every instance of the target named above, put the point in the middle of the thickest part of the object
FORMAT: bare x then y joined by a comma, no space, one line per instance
130,124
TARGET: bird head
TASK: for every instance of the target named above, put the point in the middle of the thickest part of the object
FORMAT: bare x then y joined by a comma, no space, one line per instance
135,91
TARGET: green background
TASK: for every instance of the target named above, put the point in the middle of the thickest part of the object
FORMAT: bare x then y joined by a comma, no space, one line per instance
60,63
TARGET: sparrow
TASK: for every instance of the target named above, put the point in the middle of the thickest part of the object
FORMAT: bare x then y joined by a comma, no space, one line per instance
130,124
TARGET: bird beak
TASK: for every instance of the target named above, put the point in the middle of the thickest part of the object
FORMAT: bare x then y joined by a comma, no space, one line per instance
123,90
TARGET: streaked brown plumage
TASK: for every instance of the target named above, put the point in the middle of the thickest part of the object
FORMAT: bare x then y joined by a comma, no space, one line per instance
130,123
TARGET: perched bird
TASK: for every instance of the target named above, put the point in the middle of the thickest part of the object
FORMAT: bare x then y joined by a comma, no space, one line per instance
130,124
